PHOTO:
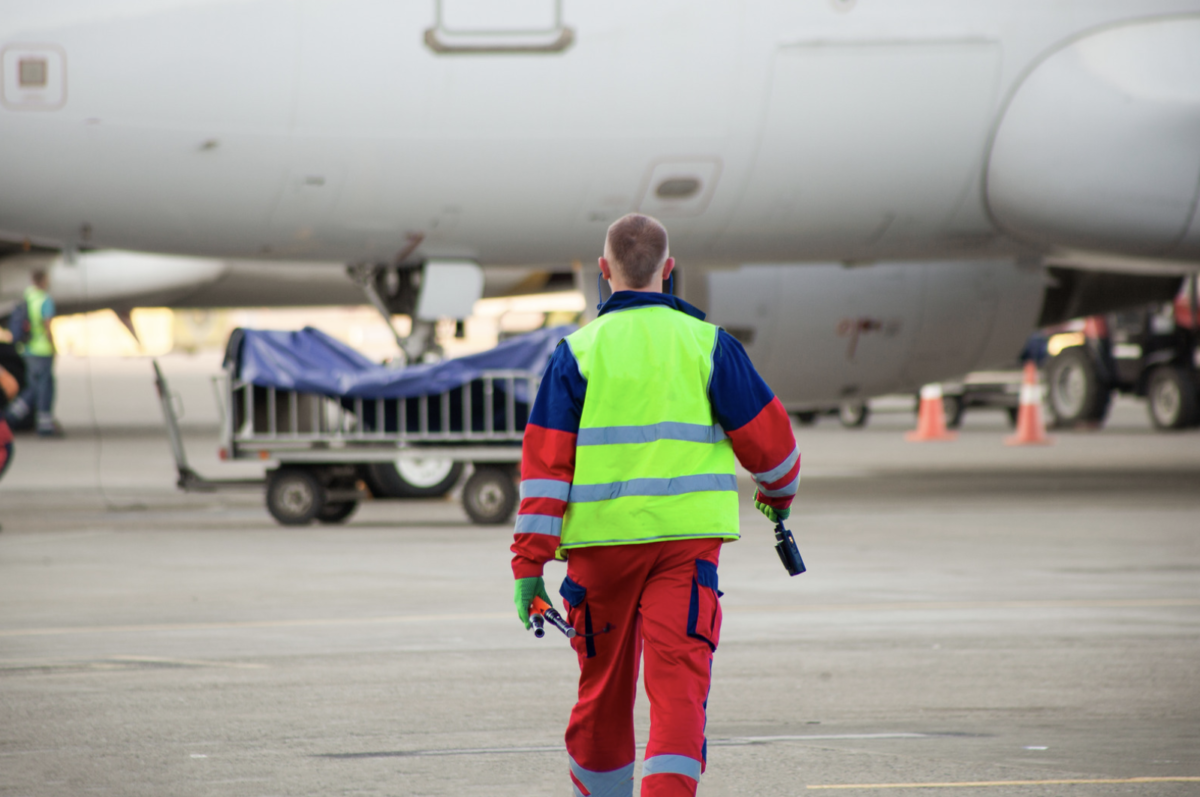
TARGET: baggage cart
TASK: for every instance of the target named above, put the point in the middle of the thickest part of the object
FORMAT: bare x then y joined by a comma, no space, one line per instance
320,444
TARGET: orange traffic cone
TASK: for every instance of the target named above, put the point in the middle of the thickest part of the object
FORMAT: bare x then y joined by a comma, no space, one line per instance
1030,429
931,418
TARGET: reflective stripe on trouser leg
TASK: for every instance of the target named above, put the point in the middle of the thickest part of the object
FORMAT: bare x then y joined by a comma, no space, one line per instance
616,783
670,776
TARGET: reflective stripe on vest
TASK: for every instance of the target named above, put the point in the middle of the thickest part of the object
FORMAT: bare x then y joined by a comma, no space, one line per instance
650,462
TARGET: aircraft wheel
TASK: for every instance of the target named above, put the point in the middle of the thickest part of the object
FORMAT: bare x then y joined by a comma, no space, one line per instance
337,512
490,496
1171,398
805,418
412,478
294,496
1076,393
854,414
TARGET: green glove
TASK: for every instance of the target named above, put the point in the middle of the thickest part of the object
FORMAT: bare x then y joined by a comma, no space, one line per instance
527,588
774,515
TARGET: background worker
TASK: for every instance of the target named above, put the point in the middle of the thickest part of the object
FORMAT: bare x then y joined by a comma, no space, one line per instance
628,470
37,346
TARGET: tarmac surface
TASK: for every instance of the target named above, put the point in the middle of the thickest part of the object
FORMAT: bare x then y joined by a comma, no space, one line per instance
976,620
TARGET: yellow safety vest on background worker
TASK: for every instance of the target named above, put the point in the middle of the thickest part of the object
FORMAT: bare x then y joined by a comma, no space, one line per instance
39,341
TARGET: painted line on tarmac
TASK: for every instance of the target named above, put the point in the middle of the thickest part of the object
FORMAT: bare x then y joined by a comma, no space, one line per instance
901,606
737,741
113,663
980,784
233,665
298,623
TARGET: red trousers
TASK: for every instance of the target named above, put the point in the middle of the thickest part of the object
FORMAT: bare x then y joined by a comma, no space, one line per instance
658,602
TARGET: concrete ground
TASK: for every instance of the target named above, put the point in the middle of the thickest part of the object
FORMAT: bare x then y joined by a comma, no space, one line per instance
976,618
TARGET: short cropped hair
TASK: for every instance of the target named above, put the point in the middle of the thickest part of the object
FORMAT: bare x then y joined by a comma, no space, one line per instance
38,276
639,248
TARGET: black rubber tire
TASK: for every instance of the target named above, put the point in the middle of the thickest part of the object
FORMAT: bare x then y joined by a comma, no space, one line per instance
1171,398
295,496
337,512
1075,393
1013,414
953,408
853,415
490,495
385,481
805,418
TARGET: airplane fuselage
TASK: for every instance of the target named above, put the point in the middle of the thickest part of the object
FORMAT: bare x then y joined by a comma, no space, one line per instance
826,129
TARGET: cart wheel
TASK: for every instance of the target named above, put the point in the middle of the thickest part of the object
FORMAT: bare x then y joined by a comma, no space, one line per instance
854,414
337,512
1171,398
1076,393
489,496
412,478
294,496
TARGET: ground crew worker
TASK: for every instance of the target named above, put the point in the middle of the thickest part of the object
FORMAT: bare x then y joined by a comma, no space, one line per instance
38,350
628,471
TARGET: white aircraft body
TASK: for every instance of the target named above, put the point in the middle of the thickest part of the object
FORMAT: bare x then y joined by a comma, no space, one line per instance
961,147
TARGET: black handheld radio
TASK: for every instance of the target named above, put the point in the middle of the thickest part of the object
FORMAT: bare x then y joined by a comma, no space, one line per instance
789,554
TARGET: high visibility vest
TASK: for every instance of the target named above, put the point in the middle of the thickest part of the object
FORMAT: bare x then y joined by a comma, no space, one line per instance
651,463
39,342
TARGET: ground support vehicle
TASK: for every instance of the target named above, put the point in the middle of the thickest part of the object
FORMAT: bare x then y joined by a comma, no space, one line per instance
977,390
325,446
997,390
1152,353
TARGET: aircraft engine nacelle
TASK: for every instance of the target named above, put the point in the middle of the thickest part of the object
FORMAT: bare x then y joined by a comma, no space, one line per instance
1099,147
821,334
94,280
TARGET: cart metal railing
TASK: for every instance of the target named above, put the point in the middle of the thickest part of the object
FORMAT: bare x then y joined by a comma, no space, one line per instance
288,425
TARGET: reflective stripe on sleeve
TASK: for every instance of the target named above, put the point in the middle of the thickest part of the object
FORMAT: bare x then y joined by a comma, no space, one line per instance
787,489
777,473
539,524
667,430
672,765
545,488
680,485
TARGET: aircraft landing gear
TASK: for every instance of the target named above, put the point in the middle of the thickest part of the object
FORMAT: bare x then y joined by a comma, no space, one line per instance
424,292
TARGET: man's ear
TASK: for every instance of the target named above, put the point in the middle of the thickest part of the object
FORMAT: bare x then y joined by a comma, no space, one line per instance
605,269
668,267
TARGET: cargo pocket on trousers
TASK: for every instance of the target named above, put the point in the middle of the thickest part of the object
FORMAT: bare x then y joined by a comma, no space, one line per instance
575,597
704,611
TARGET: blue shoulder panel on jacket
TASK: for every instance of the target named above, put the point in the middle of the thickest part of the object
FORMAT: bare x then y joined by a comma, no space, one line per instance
736,390
628,300
559,403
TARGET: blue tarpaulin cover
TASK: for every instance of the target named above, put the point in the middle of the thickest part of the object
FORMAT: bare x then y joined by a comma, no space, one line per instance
309,361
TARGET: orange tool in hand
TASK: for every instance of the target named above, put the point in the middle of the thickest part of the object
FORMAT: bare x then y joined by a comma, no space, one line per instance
541,612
